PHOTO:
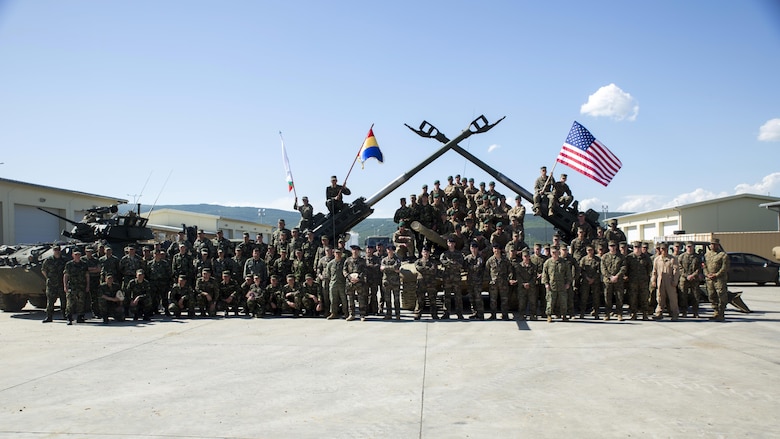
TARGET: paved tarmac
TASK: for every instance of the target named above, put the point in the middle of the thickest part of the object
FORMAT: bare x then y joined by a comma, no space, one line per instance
312,378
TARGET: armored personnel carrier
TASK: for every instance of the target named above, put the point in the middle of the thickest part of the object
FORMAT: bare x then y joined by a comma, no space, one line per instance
20,265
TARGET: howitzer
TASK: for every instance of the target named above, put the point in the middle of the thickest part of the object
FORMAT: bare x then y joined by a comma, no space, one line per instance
430,234
562,219
336,224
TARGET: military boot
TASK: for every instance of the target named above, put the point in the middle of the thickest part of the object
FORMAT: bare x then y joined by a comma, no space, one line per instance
80,319
48,319
644,316
492,316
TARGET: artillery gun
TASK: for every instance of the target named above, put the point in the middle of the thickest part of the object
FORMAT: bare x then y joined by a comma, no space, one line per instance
20,265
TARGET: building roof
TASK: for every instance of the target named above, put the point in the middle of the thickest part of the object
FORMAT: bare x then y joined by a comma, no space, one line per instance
51,188
771,200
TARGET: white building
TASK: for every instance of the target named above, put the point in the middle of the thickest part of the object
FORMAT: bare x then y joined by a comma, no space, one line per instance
21,222
166,223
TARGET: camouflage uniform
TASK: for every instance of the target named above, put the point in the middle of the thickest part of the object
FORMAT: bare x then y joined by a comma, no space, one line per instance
182,265
229,291
110,308
717,263
282,267
128,265
77,286
613,265
638,269
391,283
690,266
324,281
310,296
590,283
256,266
177,293
498,269
257,300
291,294
207,291
91,299
273,296
556,276
452,261
357,266
475,270
525,275
109,265
53,268
160,278
334,271
427,280
539,295
373,280
141,290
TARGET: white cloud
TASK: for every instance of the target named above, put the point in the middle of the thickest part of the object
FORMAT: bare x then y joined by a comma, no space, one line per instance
770,131
639,203
493,147
695,196
591,203
611,101
767,185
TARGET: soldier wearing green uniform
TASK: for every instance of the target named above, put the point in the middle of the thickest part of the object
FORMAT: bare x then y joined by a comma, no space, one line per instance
273,295
638,269
427,278
182,297
52,270
391,283
109,304
716,270
497,268
291,297
93,267
160,279
452,261
538,294
355,272
310,297
229,294
256,298
613,268
139,291
557,278
75,280
590,281
690,268
334,271
373,280
207,292
524,275
474,265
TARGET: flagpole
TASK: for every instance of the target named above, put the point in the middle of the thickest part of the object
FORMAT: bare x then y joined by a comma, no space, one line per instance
287,162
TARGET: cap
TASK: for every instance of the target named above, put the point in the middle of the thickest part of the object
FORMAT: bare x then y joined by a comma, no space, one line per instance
450,239
76,252
623,244
663,246
207,270
471,180
525,252
273,276
518,197
402,224
715,241
204,251
436,182
543,168
139,271
219,232
391,247
554,247
612,243
449,178
563,176
182,276
645,245
612,221
481,183
689,243
492,183
496,245
201,231
473,244
425,186
290,276
227,273
354,247
636,243
91,250
309,276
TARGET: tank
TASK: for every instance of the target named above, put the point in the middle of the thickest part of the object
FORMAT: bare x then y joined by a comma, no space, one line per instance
20,265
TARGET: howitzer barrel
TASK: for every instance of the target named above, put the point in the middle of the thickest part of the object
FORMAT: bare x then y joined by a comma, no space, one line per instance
430,234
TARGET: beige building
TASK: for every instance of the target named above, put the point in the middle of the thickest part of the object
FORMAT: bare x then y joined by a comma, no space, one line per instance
21,222
166,223
736,213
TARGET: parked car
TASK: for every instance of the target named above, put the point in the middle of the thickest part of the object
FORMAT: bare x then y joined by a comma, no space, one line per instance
747,267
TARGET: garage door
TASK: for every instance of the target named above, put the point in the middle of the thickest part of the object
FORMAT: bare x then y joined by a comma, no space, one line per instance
33,226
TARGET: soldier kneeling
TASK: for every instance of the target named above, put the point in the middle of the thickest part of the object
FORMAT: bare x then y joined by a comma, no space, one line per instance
181,297
111,300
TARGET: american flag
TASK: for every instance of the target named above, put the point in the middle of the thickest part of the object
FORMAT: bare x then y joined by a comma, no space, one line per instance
586,155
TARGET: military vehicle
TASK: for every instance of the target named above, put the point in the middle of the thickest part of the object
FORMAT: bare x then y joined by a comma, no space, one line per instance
20,265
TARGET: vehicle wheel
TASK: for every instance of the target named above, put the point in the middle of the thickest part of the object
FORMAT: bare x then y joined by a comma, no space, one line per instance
37,301
12,302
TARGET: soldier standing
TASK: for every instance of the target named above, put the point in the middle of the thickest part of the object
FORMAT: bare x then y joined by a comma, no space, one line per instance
246,246
537,294
307,213
498,268
690,268
452,261
75,280
355,273
613,268
557,278
52,269
93,267
256,266
182,265
128,265
334,271
638,269
590,282
201,243
323,279
475,269
160,278
614,233
427,276
716,271
109,264
222,243
665,277
575,275
518,213
525,277
403,213
390,266
373,280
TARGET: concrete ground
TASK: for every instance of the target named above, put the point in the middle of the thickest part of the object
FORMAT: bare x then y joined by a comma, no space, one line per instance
312,378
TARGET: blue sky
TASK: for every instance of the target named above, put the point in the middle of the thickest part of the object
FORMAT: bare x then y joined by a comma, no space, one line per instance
182,101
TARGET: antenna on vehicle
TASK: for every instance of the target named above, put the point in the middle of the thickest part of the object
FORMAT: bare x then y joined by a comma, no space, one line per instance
161,190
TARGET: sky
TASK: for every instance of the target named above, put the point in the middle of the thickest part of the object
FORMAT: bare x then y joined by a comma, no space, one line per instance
179,102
